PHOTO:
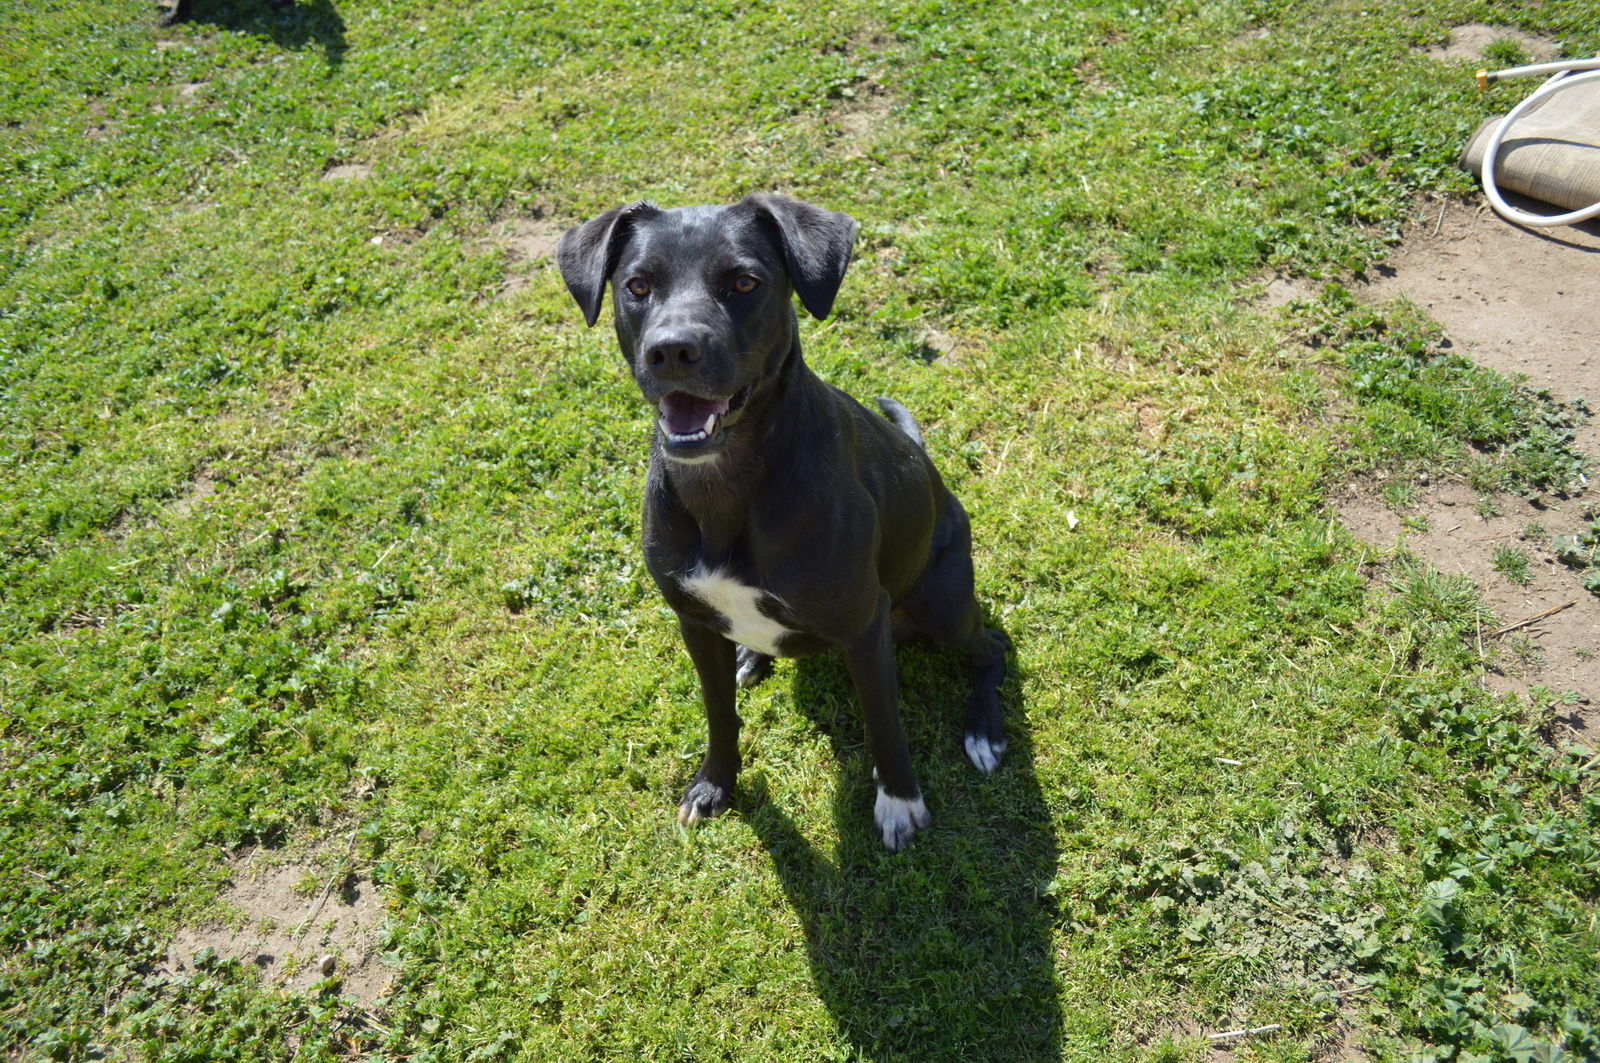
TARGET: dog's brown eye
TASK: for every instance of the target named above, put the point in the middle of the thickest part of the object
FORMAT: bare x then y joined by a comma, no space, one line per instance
639,287
744,284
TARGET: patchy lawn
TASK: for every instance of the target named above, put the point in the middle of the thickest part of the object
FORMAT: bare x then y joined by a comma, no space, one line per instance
319,520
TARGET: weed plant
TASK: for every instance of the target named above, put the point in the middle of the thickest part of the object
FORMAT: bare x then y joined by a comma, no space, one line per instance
1581,551
1511,562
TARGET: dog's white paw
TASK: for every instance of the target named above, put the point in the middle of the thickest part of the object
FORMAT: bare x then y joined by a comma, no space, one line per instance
984,754
898,818
703,800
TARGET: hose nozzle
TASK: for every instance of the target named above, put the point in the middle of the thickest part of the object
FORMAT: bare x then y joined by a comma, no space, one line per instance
1487,78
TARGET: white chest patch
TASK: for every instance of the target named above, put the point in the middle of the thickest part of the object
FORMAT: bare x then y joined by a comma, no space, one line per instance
740,604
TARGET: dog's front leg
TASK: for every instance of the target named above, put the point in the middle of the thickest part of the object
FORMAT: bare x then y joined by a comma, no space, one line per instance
711,790
899,812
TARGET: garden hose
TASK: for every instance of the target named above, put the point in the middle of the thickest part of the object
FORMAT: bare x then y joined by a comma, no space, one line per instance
1566,75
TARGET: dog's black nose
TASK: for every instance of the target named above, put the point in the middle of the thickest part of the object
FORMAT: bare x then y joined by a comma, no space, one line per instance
671,356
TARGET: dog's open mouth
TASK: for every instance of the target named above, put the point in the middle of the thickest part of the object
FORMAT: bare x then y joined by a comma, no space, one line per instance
691,421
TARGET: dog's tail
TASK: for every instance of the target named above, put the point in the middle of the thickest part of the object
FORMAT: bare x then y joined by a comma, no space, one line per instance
902,419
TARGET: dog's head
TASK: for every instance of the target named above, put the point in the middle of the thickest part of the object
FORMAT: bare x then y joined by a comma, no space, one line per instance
701,299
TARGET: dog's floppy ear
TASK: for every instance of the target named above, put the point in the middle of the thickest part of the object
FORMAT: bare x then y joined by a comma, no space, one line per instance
588,254
816,248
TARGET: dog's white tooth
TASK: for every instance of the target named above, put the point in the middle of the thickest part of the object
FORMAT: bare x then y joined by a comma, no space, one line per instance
711,424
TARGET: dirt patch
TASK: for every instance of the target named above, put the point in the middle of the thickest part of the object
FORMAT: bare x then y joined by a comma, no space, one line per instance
1526,303
400,237
1459,531
864,110
1518,300
933,344
530,245
530,239
297,922
1093,78
871,39
860,116
1281,290
1469,43
99,126
1343,1044
192,495
202,487
347,171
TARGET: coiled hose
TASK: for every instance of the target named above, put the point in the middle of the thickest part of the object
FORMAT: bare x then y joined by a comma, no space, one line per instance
1566,75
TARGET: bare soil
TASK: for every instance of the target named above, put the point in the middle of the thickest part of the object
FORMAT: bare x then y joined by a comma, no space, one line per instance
348,171
1467,43
860,117
297,922
1527,303
529,243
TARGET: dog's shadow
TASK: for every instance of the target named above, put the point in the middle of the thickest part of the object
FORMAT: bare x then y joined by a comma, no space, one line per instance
942,951
290,24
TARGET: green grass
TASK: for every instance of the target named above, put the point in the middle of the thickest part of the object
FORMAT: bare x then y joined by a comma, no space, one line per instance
1511,562
1421,400
1580,551
310,529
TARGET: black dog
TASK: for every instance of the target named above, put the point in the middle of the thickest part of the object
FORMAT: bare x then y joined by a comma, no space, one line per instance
779,514
181,10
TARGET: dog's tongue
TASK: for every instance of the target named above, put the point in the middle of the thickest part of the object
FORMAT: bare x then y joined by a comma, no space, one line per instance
685,414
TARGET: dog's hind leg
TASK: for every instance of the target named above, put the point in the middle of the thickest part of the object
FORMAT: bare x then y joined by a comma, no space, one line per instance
945,610
984,736
753,667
